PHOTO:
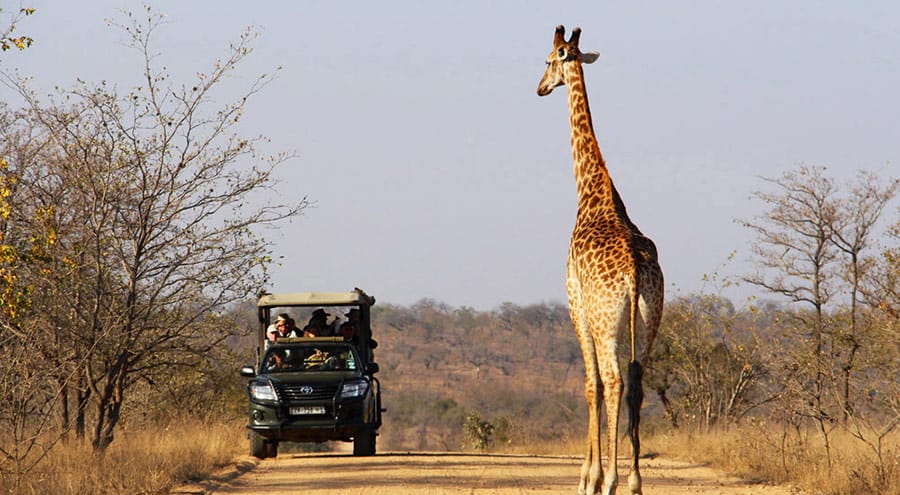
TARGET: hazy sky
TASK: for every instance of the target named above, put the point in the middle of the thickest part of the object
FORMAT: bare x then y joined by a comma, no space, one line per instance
438,172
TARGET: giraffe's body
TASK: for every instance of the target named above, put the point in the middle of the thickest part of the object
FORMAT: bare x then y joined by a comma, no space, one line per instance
614,282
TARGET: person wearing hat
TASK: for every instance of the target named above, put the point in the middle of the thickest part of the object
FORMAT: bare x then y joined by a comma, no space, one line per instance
349,328
283,327
318,325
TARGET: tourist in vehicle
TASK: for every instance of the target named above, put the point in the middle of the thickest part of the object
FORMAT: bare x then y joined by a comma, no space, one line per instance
277,360
350,328
284,326
318,325
288,326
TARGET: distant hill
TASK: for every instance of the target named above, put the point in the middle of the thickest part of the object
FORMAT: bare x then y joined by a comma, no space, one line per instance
518,366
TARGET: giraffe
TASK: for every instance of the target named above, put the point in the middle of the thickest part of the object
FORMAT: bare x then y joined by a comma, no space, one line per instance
613,281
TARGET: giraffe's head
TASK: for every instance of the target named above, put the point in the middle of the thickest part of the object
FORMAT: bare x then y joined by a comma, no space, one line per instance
564,52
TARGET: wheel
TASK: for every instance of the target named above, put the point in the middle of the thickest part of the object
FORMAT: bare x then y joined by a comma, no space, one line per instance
272,448
364,443
258,445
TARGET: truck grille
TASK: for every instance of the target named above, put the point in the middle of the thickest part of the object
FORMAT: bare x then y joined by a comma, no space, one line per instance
293,392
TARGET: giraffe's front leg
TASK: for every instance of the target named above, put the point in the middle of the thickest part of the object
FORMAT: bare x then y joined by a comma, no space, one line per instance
585,478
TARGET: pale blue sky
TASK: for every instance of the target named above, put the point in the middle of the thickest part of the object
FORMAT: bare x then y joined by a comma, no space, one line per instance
437,170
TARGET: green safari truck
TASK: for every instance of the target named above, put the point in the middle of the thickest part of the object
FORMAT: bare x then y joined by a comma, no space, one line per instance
318,385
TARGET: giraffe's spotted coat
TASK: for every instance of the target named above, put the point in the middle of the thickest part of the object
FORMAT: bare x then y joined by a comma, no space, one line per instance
614,282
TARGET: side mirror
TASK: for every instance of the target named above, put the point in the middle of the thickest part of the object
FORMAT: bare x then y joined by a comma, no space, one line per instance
372,368
248,371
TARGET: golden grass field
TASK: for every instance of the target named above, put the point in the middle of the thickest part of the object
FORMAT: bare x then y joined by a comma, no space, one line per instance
757,454
143,462
156,461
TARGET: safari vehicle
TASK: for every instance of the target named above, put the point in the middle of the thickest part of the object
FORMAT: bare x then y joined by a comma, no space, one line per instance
314,389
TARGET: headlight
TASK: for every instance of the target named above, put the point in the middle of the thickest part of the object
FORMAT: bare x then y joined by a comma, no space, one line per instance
262,391
354,389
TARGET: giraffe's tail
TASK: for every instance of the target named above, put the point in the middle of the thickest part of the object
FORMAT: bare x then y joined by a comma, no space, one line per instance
633,315
634,394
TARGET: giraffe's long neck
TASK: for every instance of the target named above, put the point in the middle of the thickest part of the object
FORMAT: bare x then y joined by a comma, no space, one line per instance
597,196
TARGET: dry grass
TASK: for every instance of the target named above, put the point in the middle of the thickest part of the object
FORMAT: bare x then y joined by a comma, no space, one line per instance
145,462
758,454
154,461
764,454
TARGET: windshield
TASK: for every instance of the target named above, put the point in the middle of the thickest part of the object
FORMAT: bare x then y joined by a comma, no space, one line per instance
309,357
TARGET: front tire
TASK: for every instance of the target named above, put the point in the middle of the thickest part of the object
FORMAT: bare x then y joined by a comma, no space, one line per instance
364,443
272,448
258,445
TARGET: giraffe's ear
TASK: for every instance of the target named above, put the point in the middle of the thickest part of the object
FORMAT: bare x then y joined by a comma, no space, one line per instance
589,57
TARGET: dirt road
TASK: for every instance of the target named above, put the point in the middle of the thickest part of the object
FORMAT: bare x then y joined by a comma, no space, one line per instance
450,473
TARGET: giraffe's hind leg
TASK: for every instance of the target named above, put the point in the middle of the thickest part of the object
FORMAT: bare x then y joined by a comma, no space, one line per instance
592,469
613,387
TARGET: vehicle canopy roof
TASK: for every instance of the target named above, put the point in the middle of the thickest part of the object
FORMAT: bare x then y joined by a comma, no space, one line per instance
356,297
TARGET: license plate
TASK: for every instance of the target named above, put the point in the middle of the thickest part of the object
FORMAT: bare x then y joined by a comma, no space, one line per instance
306,410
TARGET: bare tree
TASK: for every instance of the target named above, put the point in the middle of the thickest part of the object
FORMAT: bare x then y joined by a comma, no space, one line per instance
797,257
852,231
812,243
158,204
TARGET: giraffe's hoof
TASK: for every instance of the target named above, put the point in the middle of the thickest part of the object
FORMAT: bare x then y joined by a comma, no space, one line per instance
634,483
